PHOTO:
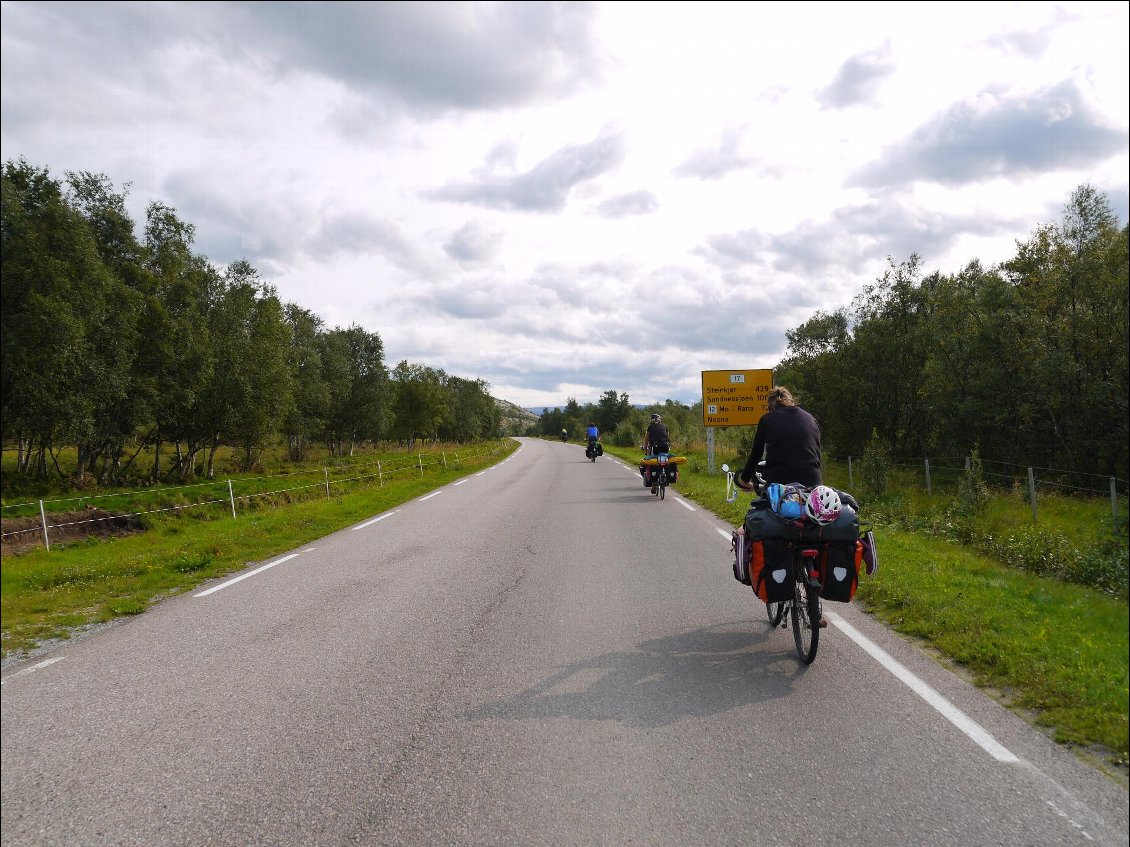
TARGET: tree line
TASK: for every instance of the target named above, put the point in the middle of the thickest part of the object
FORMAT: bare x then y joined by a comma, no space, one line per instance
119,346
1025,362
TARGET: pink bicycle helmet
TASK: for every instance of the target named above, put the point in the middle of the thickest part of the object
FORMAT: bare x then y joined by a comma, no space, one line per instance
823,505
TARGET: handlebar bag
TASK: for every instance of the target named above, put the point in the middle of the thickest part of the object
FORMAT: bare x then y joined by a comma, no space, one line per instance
839,570
769,572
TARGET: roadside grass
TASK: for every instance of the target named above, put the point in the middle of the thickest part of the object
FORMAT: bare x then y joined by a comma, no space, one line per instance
1054,652
46,595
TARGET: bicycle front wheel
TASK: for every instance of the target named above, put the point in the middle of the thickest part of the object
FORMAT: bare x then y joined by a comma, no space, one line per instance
806,620
775,611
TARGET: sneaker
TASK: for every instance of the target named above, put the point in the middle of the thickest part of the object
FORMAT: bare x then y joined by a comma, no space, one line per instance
823,622
654,489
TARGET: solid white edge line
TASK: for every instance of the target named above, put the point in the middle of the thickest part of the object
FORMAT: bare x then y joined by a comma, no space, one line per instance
246,575
723,533
685,504
374,520
950,712
430,496
35,667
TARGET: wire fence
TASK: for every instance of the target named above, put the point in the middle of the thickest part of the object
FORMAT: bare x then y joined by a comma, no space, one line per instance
944,473
250,490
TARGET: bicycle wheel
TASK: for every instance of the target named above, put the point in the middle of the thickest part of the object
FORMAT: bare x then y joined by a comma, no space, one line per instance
662,488
806,620
775,611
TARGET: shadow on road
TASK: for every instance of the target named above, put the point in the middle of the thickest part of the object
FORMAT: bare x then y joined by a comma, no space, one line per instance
702,672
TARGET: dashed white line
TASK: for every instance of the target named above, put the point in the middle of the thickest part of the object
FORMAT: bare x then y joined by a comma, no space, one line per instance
35,668
685,504
374,520
430,496
460,482
723,533
246,575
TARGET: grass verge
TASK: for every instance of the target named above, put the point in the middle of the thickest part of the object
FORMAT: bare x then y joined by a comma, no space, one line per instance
1054,652
48,595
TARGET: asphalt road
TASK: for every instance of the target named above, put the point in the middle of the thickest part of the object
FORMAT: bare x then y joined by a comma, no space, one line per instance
539,654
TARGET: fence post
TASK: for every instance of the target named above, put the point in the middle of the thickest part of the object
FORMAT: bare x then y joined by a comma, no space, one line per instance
380,476
444,457
969,467
43,518
420,459
1032,493
851,477
231,497
929,489
1113,499
327,470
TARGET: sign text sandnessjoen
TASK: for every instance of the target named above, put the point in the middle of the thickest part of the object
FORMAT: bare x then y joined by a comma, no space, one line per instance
735,398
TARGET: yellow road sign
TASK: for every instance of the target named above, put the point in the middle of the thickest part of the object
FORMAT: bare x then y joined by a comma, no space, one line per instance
735,398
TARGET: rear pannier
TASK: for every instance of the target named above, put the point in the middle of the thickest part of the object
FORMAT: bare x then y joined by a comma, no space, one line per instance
769,570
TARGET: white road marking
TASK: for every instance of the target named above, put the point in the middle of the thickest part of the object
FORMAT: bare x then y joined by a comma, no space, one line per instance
35,667
245,576
724,534
461,481
978,734
374,520
685,504
430,496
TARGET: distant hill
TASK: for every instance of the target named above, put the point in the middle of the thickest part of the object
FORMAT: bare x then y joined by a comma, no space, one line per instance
515,420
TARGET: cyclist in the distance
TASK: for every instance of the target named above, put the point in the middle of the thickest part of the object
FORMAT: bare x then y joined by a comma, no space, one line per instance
592,433
655,440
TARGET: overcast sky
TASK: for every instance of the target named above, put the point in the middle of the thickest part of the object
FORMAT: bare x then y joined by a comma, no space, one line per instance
566,198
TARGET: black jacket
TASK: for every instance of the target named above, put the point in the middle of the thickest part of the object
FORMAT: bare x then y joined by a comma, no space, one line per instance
790,439
657,436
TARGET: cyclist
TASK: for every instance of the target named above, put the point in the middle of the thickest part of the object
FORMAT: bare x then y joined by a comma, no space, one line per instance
789,437
592,433
655,440
564,435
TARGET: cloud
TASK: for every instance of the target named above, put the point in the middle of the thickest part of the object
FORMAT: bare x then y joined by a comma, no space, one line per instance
435,56
858,79
850,240
546,186
716,162
632,203
473,244
1000,135
113,62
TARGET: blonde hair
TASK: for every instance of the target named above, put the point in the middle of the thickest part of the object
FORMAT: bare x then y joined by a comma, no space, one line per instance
780,396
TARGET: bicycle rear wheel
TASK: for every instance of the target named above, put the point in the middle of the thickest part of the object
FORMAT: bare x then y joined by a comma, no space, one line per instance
806,620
